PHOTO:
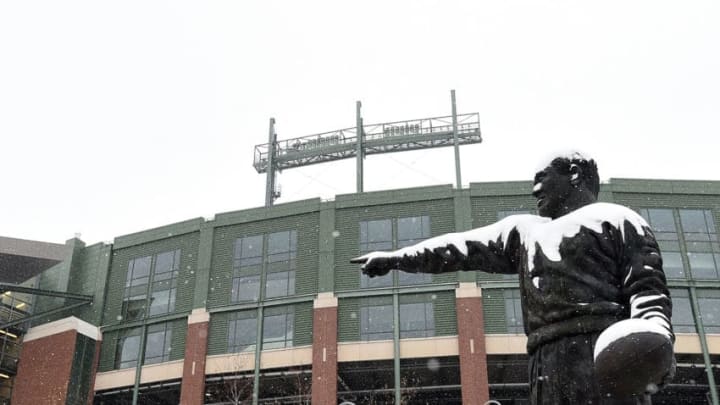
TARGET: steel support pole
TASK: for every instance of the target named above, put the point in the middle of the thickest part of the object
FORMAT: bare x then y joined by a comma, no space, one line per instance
359,143
258,355
458,178
138,367
396,347
704,346
270,174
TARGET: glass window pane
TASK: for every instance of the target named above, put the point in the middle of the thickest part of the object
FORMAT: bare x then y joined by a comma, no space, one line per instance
417,320
280,284
702,265
243,333
128,350
376,282
672,265
246,288
278,329
710,221
278,242
682,318
693,221
411,228
710,312
413,278
376,322
141,267
165,262
250,246
661,220
378,231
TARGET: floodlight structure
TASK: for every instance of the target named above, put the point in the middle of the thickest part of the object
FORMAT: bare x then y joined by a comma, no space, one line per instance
399,136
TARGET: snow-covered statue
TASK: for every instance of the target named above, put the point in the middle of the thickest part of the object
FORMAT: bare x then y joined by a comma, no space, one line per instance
595,302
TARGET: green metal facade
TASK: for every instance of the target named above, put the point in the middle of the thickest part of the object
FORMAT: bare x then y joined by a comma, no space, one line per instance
328,235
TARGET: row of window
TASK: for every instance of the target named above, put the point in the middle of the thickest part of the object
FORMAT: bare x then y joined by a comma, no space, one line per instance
682,316
264,266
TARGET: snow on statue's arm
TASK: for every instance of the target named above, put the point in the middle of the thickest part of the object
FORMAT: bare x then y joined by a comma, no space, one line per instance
490,249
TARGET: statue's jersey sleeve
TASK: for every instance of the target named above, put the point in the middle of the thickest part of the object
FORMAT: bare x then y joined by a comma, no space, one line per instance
494,248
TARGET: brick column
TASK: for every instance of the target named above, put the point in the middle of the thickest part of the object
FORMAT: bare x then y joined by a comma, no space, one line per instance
324,357
192,391
471,341
52,356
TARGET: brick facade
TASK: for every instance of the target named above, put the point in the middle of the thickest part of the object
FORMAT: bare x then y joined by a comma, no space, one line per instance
471,342
325,355
193,379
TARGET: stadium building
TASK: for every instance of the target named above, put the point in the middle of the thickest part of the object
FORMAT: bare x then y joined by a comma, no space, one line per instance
261,306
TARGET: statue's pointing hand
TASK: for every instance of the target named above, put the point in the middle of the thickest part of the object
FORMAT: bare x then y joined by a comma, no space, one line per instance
374,266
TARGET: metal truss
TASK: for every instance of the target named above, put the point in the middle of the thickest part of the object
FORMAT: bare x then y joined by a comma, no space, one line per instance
26,317
377,138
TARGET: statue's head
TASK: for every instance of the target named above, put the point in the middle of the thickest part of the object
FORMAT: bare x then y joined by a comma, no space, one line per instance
567,183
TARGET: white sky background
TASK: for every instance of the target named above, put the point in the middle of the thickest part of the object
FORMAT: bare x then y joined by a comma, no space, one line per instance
116,117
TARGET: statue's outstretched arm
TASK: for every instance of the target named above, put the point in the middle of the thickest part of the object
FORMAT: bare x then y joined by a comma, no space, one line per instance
490,249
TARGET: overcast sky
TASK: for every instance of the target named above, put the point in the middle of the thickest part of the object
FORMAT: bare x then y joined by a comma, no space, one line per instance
117,117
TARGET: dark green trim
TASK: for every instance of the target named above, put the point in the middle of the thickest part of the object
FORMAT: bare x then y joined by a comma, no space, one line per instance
144,322
163,232
204,260
326,263
501,188
263,213
393,196
652,186
264,304
417,289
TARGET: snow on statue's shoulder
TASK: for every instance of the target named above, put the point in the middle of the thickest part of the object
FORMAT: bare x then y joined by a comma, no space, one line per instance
592,216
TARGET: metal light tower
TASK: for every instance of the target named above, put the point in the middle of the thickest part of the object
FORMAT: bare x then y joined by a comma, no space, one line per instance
362,140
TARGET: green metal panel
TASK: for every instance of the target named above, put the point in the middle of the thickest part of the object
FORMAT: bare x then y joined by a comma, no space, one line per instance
177,341
90,278
107,351
81,371
188,245
328,234
445,316
302,334
349,319
386,197
218,339
494,311
347,221
307,227
202,275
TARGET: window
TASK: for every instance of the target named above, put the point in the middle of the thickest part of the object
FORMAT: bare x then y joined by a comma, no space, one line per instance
127,350
157,343
151,282
278,327
662,222
376,318
702,243
242,331
709,305
390,234
417,316
268,259
697,240
682,316
513,311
